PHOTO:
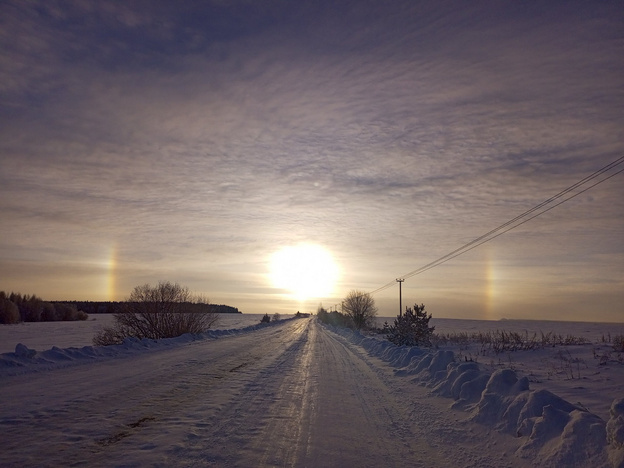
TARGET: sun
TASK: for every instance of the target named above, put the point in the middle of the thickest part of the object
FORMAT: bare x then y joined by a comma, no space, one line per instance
306,271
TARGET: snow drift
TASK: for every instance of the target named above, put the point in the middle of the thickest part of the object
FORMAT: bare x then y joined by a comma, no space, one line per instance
554,432
25,360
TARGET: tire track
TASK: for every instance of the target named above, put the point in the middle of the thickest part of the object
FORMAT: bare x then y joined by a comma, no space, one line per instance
88,414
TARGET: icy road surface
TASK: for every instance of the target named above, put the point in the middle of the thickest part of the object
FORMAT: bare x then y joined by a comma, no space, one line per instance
293,394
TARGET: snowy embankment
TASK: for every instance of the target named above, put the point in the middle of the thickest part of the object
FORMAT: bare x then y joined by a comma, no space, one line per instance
26,360
77,334
553,431
295,393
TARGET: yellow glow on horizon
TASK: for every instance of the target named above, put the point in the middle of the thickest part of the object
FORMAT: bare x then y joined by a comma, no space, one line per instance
307,271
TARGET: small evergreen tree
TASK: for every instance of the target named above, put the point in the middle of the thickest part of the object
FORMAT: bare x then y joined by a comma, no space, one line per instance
412,328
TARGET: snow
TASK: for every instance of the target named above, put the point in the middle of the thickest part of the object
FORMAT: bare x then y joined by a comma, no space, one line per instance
44,335
298,393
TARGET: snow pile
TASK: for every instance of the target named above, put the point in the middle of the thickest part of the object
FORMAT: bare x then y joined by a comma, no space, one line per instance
25,360
554,432
615,433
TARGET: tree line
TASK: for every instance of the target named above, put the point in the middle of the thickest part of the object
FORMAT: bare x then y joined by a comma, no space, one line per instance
15,308
113,307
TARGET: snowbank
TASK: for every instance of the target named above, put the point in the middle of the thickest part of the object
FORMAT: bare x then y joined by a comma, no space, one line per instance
25,360
554,432
551,430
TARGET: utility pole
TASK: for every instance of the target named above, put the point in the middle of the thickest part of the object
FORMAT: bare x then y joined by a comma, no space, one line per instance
400,281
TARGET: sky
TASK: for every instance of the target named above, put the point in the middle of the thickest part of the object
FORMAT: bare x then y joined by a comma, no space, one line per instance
192,141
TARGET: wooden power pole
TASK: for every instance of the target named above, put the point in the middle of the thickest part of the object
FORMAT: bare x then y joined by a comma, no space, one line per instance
400,281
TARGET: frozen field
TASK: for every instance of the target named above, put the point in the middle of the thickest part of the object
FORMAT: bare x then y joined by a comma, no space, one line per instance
296,393
44,335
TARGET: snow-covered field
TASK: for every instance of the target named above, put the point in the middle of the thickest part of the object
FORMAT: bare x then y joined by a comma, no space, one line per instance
297,393
44,335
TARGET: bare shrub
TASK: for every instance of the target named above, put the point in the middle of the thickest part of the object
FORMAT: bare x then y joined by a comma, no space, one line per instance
154,312
111,335
360,308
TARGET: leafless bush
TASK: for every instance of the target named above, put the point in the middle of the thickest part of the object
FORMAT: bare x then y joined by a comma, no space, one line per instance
567,364
164,311
360,308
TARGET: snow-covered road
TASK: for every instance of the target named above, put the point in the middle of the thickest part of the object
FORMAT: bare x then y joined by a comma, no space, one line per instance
293,394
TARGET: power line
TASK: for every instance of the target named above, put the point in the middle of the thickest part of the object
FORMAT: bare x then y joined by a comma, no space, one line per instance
516,221
422,270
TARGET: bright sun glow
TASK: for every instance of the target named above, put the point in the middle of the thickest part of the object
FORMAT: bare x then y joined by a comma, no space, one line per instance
307,271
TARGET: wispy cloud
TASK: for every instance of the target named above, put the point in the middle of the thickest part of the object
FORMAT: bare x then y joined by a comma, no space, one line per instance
199,138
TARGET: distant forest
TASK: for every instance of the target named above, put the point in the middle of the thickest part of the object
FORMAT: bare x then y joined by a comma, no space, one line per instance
16,308
111,307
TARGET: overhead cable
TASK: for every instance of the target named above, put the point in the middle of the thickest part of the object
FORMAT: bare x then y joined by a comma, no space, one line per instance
519,220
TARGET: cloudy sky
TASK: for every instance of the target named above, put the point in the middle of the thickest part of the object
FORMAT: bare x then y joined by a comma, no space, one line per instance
190,141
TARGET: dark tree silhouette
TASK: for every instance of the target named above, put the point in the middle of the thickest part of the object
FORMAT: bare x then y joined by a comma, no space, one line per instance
360,308
164,311
412,328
